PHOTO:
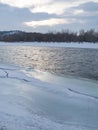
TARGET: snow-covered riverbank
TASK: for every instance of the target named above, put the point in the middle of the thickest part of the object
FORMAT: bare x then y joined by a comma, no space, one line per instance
35,100
51,44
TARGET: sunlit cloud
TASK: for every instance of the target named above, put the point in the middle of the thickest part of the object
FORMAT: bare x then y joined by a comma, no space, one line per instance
49,22
48,14
37,6
48,6
25,3
78,12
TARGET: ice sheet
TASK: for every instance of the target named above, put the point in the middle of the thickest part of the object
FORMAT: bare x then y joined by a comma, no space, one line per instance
52,44
35,100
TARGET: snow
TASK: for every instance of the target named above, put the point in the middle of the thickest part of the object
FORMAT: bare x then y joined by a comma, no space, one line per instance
52,44
35,100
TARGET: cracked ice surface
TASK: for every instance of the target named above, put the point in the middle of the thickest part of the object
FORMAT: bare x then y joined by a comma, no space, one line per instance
34,100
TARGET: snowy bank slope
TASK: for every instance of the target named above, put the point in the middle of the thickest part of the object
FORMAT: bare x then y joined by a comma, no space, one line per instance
51,44
34,100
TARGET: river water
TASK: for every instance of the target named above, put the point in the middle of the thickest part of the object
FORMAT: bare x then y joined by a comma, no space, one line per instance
60,61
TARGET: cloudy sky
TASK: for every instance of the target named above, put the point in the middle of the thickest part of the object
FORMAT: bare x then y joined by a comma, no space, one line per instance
48,15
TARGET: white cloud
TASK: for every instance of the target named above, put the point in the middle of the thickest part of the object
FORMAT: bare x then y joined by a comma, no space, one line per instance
49,22
48,6
73,13
24,3
78,12
35,6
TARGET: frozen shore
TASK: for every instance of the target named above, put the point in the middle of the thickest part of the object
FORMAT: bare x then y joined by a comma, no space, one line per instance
35,100
51,44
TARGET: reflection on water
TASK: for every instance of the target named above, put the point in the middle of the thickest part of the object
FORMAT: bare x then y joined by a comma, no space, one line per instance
61,61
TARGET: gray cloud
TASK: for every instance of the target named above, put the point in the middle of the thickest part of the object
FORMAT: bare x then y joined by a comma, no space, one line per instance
12,18
87,19
89,6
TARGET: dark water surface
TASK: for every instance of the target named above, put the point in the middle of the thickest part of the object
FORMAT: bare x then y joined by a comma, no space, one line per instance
60,61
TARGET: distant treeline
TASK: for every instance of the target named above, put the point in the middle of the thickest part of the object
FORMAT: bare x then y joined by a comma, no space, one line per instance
64,36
